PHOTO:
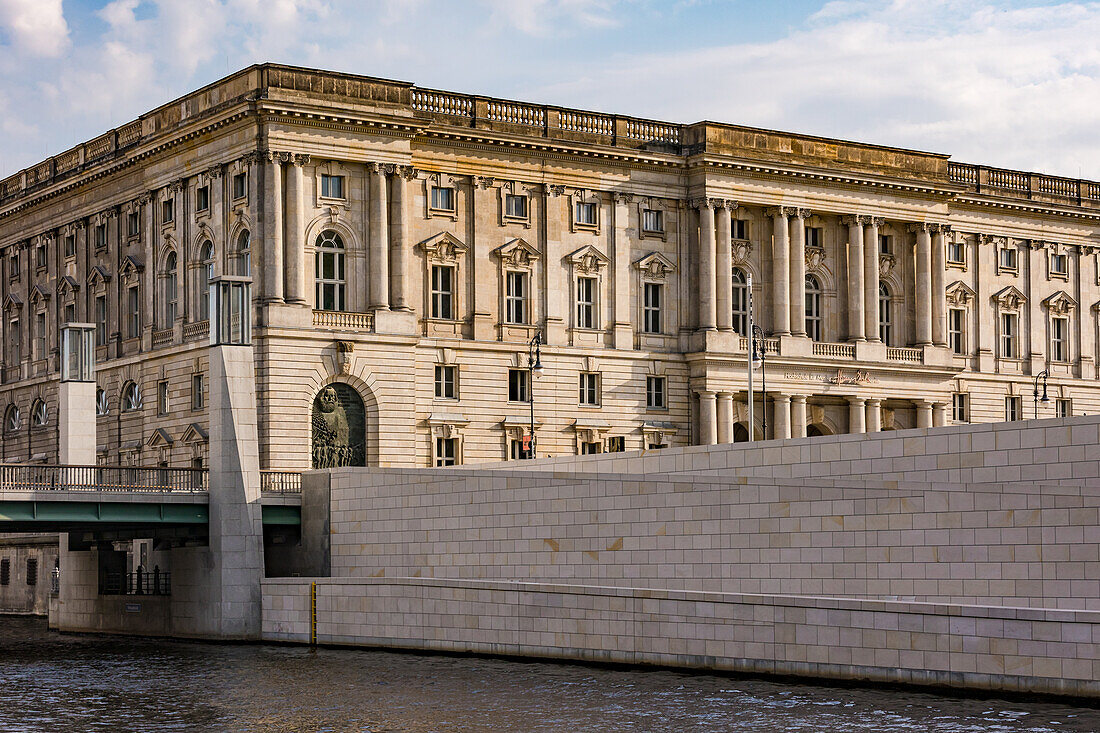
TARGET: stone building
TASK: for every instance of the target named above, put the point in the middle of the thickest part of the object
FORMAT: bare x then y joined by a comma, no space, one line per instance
407,244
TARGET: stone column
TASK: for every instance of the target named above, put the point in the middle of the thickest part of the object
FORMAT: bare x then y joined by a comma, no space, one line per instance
482,266
708,418
152,269
923,282
855,279
295,234
781,416
938,287
273,226
781,271
725,417
707,254
399,245
856,415
870,277
556,289
939,414
724,262
874,415
924,413
798,272
254,164
378,247
622,317
798,416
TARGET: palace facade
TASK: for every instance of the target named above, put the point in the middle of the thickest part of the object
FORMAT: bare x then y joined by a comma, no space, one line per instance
407,244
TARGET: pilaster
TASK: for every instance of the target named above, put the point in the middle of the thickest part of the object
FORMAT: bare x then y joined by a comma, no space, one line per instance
623,323
378,247
798,271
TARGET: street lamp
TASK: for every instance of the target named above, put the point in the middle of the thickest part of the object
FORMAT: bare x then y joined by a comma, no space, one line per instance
534,364
758,338
1041,375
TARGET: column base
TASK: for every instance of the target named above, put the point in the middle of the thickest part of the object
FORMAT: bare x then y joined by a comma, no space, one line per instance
624,336
483,328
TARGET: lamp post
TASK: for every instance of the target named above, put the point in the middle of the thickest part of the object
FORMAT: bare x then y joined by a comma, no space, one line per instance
534,364
1041,375
758,337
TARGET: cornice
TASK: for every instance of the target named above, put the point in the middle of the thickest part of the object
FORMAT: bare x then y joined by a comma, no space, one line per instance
1030,207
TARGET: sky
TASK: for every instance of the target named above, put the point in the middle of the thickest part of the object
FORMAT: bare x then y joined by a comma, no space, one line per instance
1010,83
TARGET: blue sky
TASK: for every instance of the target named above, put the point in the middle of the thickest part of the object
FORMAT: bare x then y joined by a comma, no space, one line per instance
1015,84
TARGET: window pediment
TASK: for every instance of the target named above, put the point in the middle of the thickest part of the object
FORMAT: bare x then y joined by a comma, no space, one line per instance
39,294
131,268
517,253
655,266
12,302
1010,298
959,293
67,286
588,259
1060,303
194,434
444,247
160,439
98,275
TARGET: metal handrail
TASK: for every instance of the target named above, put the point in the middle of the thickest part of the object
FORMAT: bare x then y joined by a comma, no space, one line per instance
39,477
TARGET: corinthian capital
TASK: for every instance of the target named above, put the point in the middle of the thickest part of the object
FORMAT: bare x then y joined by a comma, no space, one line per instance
923,226
301,159
484,182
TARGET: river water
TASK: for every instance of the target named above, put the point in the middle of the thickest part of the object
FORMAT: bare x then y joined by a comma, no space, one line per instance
61,683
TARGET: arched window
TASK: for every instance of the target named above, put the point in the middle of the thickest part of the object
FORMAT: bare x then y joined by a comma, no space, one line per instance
12,419
813,308
740,302
244,254
40,414
885,316
330,272
131,397
171,292
102,402
206,260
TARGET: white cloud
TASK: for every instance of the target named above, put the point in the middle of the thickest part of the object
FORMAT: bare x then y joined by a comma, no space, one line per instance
36,27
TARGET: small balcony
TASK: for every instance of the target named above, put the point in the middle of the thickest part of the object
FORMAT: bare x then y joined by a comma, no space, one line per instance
344,321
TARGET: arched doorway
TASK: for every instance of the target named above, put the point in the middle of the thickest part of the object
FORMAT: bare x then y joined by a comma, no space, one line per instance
740,433
339,427
816,431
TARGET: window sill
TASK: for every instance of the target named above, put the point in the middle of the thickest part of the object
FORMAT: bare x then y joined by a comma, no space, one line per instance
524,221
443,214
661,235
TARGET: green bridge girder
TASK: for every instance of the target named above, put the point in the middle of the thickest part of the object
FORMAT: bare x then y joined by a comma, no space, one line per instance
47,514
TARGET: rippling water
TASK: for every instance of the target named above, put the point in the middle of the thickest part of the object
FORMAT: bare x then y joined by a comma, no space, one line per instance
60,683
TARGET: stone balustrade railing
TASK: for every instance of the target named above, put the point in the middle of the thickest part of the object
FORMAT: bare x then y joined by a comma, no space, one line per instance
836,351
1020,184
196,331
898,353
343,320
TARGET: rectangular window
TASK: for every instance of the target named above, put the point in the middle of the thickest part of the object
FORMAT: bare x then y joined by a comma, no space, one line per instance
443,198
70,313
100,234
5,571
202,198
1009,329
584,214
586,302
616,444
655,393
168,211
15,340
1059,339
739,229
70,246
515,297
133,224
590,449
1013,408
956,254
590,389
814,237
332,187
1008,258
240,186
40,256
446,381
1063,408
162,398
653,220
515,207
32,571
133,313
100,320
1059,264
39,335
443,292
956,330
960,407
885,244
519,388
651,307
198,391
446,451
516,451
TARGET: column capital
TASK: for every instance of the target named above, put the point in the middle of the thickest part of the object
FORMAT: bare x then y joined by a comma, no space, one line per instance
799,398
254,157
852,220
857,400
380,169
800,213
275,156
484,182
941,228
784,212
300,159
622,197
553,189
214,171
707,202
780,397
921,227
874,401
707,393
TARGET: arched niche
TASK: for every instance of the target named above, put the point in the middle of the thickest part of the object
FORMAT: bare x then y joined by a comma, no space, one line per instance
339,427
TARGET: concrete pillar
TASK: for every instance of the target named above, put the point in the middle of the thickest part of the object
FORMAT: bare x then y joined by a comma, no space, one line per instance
295,234
939,294
870,277
724,261
725,417
399,246
855,280
781,416
273,227
378,247
923,283
856,415
798,272
874,415
939,414
781,271
798,416
623,322
708,418
924,414
707,254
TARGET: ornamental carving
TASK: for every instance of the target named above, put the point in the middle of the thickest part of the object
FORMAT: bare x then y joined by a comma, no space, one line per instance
742,250
815,258
655,266
959,294
588,260
444,247
1009,299
886,264
339,433
517,254
1060,303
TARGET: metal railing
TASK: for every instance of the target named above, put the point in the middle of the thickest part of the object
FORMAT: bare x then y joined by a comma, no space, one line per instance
141,583
28,477
280,482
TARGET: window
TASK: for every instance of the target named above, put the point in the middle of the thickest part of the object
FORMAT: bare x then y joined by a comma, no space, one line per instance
584,213
171,295
653,220
1009,329
885,244
32,571
651,307
133,312
589,449
616,444
202,198
133,224
163,406
40,335
330,271
739,229
446,379
1063,408
1059,264
814,237
40,256
332,187
70,245
131,397
956,330
100,236
5,571
813,308
443,292
443,198
956,253
446,451
590,389
70,313
960,407
40,414
101,320
515,207
206,260
102,402
240,185
13,420
1008,258
519,389
1059,339
515,297
740,302
244,254
516,451
655,393
1013,408
586,302
168,211
15,340
198,391
885,316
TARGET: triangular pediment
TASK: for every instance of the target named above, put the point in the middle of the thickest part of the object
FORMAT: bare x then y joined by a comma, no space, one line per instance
160,439
1060,302
12,302
655,265
444,246
588,259
131,266
194,434
67,285
1010,298
517,253
39,294
98,274
959,293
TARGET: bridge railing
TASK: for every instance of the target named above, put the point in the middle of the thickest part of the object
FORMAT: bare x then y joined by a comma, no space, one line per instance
38,477
141,583
280,482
